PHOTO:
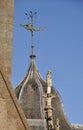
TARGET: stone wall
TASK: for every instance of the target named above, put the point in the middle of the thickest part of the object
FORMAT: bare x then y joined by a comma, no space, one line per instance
11,114
6,34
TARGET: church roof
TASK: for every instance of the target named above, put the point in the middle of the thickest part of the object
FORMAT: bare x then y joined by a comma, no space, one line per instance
30,95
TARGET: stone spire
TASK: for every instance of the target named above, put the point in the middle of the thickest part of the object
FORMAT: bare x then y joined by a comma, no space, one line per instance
49,108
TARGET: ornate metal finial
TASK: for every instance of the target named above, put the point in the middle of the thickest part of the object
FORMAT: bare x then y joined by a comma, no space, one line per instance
31,16
31,21
30,25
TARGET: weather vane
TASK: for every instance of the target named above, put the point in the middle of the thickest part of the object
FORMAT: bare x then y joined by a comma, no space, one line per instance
31,16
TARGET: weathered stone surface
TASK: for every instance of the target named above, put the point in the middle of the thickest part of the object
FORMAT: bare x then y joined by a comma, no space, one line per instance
11,114
6,34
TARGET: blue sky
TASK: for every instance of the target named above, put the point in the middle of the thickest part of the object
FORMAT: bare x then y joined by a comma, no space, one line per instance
59,48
